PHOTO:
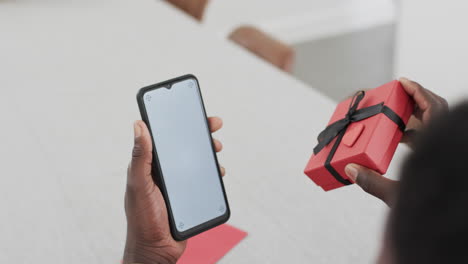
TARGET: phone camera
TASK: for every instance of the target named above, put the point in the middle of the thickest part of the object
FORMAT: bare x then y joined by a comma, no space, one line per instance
190,84
148,98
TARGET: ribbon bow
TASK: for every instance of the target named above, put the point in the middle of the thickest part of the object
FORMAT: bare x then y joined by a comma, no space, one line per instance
338,128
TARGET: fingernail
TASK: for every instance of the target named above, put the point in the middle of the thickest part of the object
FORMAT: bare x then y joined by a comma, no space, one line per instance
352,172
404,79
136,129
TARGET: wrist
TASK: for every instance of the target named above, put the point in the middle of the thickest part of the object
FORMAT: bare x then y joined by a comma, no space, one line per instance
142,257
137,252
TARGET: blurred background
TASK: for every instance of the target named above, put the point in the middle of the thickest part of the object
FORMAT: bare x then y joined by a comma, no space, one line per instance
336,45
343,45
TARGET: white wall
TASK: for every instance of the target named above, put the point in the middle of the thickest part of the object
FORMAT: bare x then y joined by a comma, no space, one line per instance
432,45
296,21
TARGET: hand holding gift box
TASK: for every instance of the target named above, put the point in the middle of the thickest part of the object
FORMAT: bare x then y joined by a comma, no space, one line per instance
365,130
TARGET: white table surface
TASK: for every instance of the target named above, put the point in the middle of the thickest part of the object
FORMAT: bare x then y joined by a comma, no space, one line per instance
68,78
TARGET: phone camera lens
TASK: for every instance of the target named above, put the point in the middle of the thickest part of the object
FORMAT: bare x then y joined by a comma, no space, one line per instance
148,98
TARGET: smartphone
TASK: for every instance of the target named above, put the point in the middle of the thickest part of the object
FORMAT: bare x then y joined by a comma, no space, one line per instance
185,166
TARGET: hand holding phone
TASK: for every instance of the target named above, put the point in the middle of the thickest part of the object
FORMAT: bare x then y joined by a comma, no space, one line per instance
148,234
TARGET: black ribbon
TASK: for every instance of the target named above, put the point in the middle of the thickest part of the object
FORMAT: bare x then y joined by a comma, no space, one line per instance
338,129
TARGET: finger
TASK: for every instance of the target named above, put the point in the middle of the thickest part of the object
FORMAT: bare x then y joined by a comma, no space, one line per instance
437,105
442,102
223,170
417,113
414,123
217,145
372,182
409,137
410,134
139,171
421,97
215,123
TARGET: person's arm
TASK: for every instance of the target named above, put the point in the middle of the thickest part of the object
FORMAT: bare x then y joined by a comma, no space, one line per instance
427,105
149,238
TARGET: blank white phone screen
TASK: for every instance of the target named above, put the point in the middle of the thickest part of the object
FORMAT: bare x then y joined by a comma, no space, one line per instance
186,157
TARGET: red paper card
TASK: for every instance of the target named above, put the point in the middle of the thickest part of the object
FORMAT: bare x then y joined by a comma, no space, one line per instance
210,246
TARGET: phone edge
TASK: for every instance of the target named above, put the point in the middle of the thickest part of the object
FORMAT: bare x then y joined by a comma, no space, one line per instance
157,175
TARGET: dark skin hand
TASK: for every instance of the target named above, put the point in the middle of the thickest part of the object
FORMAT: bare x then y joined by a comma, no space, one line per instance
427,105
149,239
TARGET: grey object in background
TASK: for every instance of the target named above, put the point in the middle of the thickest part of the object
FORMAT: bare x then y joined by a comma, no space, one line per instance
342,64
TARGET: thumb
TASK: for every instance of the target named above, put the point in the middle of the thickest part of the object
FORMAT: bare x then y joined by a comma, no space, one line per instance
139,170
372,182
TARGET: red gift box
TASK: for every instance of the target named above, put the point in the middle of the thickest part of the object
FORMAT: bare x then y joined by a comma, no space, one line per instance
365,130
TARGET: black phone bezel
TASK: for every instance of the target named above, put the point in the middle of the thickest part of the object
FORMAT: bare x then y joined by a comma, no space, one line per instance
157,173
